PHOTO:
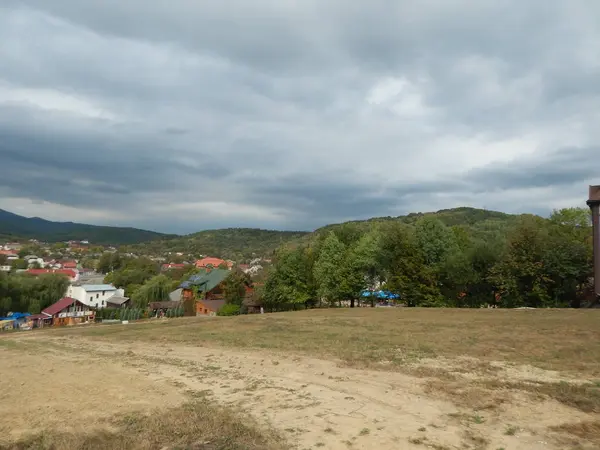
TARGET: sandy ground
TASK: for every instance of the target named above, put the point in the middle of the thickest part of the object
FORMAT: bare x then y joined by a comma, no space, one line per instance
315,403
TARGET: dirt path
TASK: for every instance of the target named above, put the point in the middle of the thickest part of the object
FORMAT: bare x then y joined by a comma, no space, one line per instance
317,403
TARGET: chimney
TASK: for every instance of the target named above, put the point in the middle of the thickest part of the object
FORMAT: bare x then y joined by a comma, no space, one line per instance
594,204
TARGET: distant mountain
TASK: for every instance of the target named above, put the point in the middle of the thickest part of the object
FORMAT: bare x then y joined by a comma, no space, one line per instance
13,225
241,244
230,243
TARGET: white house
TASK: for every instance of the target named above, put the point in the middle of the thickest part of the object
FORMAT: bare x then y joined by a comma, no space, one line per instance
94,295
5,268
32,259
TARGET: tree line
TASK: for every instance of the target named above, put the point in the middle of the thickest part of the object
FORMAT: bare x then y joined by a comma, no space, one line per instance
25,293
526,262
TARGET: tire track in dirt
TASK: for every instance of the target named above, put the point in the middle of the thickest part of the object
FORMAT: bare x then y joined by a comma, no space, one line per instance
317,403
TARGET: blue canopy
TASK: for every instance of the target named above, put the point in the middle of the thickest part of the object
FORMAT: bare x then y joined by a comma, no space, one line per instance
380,294
15,316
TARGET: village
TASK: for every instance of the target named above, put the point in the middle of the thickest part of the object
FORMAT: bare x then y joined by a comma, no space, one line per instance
90,299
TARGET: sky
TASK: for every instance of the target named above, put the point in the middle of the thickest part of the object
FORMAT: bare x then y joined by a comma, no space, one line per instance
185,115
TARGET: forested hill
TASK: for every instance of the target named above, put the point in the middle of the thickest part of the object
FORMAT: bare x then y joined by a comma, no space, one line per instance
480,222
237,244
241,244
15,226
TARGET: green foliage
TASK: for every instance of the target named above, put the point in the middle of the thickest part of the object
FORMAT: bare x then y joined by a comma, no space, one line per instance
329,269
462,258
21,292
120,314
109,262
291,280
156,289
234,287
238,244
131,273
229,309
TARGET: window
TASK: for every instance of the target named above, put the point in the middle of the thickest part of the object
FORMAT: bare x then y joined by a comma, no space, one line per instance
91,298
96,304
98,295
103,293
102,302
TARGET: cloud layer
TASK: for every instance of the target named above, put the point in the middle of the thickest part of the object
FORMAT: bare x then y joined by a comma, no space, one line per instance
187,115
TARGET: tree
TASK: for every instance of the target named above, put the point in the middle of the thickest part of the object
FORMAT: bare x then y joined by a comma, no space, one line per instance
361,267
157,289
328,269
290,281
109,262
407,273
520,276
234,287
435,240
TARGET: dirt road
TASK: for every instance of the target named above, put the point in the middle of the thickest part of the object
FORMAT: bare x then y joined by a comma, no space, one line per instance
316,404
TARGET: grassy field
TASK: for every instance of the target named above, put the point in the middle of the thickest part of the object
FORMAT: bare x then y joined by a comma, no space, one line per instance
472,379
562,340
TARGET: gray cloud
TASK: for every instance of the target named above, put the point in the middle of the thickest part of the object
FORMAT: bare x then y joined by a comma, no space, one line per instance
189,115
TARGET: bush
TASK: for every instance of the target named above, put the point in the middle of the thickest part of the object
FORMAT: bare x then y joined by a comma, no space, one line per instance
229,310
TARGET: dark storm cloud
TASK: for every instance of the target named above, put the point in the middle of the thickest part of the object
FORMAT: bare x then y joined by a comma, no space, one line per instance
294,114
565,166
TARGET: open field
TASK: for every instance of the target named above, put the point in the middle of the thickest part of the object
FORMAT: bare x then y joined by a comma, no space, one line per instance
333,379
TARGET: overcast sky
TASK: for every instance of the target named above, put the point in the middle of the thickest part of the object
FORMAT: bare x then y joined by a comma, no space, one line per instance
183,115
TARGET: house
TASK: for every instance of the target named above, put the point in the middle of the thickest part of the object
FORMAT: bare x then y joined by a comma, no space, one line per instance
94,295
212,263
117,301
209,307
67,311
34,260
73,275
206,285
8,253
206,291
69,264
5,268
159,308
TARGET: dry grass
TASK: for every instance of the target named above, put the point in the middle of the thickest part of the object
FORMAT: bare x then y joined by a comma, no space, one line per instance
194,426
562,340
589,431
489,394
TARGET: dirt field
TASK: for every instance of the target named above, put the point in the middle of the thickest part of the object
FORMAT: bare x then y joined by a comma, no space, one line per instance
341,379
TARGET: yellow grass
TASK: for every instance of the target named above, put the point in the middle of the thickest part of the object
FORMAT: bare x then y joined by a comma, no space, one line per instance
197,426
485,362
562,340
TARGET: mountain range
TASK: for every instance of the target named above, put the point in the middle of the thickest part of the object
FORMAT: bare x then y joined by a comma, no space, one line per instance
233,243
13,227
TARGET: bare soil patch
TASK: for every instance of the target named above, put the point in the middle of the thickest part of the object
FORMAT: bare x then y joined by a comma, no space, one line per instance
410,390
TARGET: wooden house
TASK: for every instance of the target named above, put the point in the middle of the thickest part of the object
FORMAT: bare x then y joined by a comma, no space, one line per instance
205,291
68,311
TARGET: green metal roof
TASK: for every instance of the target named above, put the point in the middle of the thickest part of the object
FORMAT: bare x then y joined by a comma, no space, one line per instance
207,281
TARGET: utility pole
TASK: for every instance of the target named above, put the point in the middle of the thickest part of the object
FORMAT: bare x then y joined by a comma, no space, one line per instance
594,204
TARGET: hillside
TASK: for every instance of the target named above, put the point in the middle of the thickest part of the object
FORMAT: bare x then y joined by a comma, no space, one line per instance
231,243
244,243
13,226
481,222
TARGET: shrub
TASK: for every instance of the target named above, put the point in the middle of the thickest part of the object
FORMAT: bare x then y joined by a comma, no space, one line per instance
229,310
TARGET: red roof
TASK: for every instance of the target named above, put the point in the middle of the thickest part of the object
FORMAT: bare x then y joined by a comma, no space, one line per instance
214,262
63,303
68,272
69,265
8,252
